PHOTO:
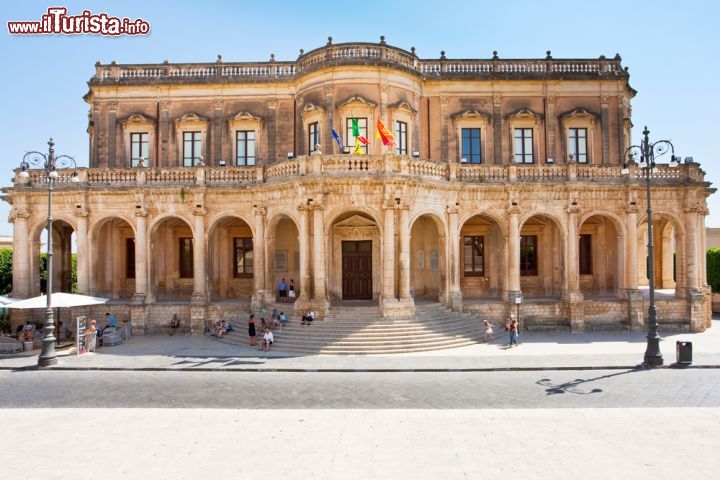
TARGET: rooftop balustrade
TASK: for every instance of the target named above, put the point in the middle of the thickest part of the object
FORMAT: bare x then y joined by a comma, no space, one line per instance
358,166
357,54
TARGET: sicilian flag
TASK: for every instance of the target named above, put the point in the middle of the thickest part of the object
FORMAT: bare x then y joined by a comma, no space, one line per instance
387,138
337,139
362,140
358,149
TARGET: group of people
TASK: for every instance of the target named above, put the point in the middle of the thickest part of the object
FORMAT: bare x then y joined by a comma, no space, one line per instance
286,292
221,328
511,326
264,329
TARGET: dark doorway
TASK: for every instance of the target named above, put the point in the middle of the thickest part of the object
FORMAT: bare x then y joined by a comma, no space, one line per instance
357,270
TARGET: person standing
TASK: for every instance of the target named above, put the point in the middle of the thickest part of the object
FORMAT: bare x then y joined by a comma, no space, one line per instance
275,319
512,328
488,335
282,290
251,329
291,291
283,320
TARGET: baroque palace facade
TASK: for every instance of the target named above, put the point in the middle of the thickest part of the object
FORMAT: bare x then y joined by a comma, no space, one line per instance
505,191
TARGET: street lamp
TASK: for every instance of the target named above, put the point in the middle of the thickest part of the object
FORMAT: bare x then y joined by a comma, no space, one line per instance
49,163
646,153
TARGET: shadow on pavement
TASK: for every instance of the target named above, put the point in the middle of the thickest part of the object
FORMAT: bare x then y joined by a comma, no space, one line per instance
573,386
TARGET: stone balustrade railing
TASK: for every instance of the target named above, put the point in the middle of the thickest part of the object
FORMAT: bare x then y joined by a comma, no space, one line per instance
353,54
361,166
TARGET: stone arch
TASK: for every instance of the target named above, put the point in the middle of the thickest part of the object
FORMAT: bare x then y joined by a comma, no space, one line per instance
543,247
157,219
609,214
499,218
428,256
112,257
63,229
283,251
482,259
231,257
171,266
356,228
600,254
671,261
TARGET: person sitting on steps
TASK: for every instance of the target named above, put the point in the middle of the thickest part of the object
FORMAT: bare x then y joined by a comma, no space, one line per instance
308,317
174,325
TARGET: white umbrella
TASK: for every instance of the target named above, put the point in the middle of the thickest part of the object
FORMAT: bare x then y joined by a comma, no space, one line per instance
6,300
59,300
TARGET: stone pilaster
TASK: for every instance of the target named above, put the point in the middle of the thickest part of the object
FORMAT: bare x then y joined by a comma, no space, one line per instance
217,133
551,119
404,253
605,126
388,260
692,256
164,134
112,133
329,112
444,129
319,293
22,284
304,245
259,260
497,129
83,251
631,248
272,131
453,243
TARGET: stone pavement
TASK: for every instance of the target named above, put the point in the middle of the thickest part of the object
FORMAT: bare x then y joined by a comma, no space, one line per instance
587,443
537,351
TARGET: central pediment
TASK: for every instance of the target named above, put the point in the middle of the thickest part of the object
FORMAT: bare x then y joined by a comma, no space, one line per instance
356,221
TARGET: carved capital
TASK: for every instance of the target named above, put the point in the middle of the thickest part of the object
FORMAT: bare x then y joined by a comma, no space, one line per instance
81,211
513,210
631,209
444,100
164,105
304,208
497,99
604,100
262,211
317,206
551,99
328,90
452,210
218,103
573,209
199,211
272,103
141,212
18,213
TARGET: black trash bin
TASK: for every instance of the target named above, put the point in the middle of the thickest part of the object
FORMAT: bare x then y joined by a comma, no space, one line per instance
683,351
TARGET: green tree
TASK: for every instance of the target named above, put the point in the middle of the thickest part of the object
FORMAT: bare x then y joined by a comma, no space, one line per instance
6,259
713,269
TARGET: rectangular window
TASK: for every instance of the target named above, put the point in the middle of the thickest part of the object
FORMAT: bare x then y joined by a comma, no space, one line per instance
243,266
192,148
186,257
471,145
313,136
129,258
585,253
577,144
474,256
401,137
523,145
350,138
528,255
138,148
245,148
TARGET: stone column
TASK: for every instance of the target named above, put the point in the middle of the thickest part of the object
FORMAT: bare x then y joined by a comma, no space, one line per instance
388,283
319,294
259,262
404,254
83,252
198,304
304,245
21,253
635,299
692,272
572,293
513,253
667,259
137,307
453,243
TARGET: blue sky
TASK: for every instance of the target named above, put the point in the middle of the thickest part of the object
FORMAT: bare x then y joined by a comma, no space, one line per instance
670,47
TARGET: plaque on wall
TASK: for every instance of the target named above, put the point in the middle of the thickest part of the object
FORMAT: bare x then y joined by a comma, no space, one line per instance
434,260
281,261
420,259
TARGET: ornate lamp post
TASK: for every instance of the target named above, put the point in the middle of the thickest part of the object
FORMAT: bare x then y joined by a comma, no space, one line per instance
50,163
646,153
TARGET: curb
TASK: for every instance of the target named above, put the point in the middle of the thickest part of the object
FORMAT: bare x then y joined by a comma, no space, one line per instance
356,370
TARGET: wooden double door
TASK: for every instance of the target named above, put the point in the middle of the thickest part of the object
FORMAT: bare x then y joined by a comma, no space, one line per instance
357,270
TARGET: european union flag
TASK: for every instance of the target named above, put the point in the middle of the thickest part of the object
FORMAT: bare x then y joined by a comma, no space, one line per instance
337,139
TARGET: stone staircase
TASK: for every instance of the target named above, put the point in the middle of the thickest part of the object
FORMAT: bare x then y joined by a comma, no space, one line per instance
363,330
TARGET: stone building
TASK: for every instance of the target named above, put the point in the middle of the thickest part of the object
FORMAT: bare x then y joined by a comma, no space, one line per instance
505,191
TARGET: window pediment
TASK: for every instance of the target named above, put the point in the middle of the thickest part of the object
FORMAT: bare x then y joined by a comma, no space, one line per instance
190,119
357,101
525,114
579,114
137,119
403,105
470,113
245,116
311,110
